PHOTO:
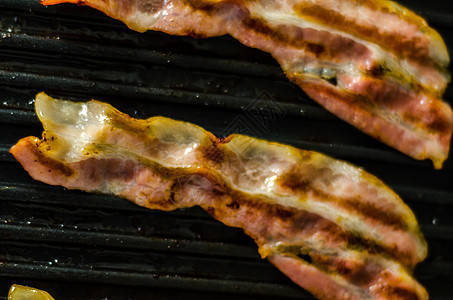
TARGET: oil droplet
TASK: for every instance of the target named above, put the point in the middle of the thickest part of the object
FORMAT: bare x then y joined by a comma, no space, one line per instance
5,35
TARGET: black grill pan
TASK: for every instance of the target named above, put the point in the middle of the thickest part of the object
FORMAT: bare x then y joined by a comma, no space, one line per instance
83,246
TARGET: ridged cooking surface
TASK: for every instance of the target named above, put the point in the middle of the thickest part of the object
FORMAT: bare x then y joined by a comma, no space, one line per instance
79,246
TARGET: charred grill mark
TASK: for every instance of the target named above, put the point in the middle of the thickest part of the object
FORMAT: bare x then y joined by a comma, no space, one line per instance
206,6
272,210
263,212
370,210
362,104
359,243
224,7
299,220
212,153
295,181
439,125
392,96
356,272
413,48
52,164
398,293
327,45
150,6
286,214
321,44
341,268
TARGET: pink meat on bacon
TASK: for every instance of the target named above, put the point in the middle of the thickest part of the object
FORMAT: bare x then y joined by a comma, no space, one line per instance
373,63
362,241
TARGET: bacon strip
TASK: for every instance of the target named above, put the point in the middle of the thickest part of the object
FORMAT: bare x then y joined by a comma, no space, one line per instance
373,63
334,229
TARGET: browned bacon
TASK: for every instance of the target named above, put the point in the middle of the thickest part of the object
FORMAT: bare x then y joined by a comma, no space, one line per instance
362,241
373,63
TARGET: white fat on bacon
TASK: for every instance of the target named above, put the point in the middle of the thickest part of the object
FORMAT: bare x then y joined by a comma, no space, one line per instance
373,63
362,240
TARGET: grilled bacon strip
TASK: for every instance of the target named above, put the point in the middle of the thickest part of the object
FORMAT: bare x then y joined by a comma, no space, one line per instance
334,229
373,63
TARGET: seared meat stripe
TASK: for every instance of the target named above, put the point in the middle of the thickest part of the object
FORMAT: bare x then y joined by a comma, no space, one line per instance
373,63
334,229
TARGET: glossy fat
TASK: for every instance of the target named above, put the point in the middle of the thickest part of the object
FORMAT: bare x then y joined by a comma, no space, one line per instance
332,50
291,202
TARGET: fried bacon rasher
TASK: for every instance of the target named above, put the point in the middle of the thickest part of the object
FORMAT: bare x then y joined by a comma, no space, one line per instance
331,227
373,63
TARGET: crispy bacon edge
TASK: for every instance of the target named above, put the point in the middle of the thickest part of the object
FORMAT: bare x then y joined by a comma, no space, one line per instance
384,79
164,164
